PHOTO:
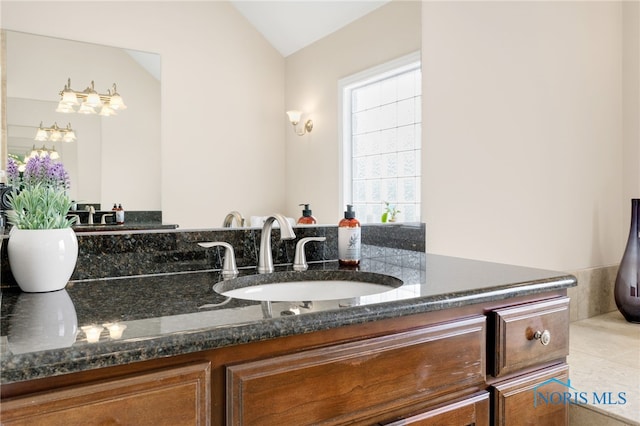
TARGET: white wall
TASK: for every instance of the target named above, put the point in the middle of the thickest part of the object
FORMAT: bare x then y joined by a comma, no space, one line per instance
523,132
526,157
312,75
631,102
222,136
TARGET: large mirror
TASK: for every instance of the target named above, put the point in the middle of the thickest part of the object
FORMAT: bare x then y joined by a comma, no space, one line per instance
109,152
226,143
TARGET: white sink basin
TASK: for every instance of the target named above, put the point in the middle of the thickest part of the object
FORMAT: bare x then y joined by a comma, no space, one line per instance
306,286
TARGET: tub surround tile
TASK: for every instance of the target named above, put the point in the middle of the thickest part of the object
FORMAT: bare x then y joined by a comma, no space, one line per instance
594,294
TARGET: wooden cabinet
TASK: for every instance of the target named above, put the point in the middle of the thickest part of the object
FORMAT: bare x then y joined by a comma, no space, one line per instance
525,400
473,410
359,381
175,396
529,336
468,365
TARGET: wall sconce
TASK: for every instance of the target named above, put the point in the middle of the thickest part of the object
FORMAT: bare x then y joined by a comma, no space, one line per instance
89,100
294,118
55,133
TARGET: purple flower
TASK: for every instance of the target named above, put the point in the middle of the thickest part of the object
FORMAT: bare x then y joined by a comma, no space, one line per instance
44,171
13,174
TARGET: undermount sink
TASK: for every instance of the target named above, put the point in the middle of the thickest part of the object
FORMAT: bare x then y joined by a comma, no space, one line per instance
306,286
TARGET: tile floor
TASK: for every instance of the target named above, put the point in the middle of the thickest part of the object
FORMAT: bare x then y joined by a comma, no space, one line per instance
605,357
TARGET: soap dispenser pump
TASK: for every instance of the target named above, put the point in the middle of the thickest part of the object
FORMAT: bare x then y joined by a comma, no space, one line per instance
307,217
349,239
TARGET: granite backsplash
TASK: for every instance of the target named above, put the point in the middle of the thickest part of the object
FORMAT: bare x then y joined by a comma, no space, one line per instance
135,253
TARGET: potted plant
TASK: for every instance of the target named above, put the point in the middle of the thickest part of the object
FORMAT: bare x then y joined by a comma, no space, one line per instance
390,213
42,247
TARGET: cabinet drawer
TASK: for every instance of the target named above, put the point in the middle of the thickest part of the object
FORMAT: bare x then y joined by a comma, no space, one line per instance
526,400
358,380
175,396
473,410
530,334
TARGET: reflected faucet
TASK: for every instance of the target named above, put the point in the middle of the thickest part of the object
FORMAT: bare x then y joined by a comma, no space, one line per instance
265,260
228,220
91,211
229,268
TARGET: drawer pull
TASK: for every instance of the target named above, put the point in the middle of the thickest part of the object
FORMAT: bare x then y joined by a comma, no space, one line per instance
543,336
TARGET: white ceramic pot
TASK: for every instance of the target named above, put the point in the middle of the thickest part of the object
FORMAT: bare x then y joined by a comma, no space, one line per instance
42,259
42,321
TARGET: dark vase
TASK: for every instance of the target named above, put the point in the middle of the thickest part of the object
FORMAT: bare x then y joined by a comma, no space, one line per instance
628,280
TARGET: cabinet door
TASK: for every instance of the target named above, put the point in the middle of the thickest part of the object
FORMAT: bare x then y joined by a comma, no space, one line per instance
533,399
175,396
473,410
530,334
360,380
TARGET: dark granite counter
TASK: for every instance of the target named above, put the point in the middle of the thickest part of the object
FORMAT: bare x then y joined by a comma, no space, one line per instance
123,227
177,313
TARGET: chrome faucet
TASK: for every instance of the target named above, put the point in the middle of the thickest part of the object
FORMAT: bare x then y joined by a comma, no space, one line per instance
91,211
265,259
229,268
228,220
300,260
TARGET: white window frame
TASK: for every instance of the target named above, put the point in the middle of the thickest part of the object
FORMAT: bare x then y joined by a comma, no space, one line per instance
345,86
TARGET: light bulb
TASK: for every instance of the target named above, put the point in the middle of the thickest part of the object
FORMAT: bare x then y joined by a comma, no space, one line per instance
117,103
41,135
294,116
86,109
93,100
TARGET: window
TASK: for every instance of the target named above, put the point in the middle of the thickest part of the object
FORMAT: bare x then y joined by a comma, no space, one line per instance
381,110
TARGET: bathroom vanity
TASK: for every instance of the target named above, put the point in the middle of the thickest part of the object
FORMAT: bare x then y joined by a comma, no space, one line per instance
460,342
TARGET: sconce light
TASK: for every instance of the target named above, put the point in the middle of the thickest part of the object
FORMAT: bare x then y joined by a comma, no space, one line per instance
55,133
89,100
294,118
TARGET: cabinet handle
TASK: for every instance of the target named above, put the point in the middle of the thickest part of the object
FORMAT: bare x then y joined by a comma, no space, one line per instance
543,336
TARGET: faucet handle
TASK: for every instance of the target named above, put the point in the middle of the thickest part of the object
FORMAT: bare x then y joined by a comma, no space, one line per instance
229,268
75,218
300,260
103,219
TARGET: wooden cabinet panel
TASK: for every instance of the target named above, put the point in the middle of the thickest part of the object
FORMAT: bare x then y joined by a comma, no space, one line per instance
524,400
175,396
341,383
516,343
469,411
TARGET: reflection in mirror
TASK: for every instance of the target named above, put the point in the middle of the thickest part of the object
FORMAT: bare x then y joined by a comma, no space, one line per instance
114,159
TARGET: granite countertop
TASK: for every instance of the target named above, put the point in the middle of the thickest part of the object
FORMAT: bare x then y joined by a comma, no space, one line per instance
173,314
123,227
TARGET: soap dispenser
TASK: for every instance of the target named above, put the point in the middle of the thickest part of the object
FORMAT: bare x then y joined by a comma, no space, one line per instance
306,218
349,239
119,215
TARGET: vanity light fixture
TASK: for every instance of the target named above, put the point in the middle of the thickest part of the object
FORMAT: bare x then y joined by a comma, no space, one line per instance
43,152
294,118
88,100
55,133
